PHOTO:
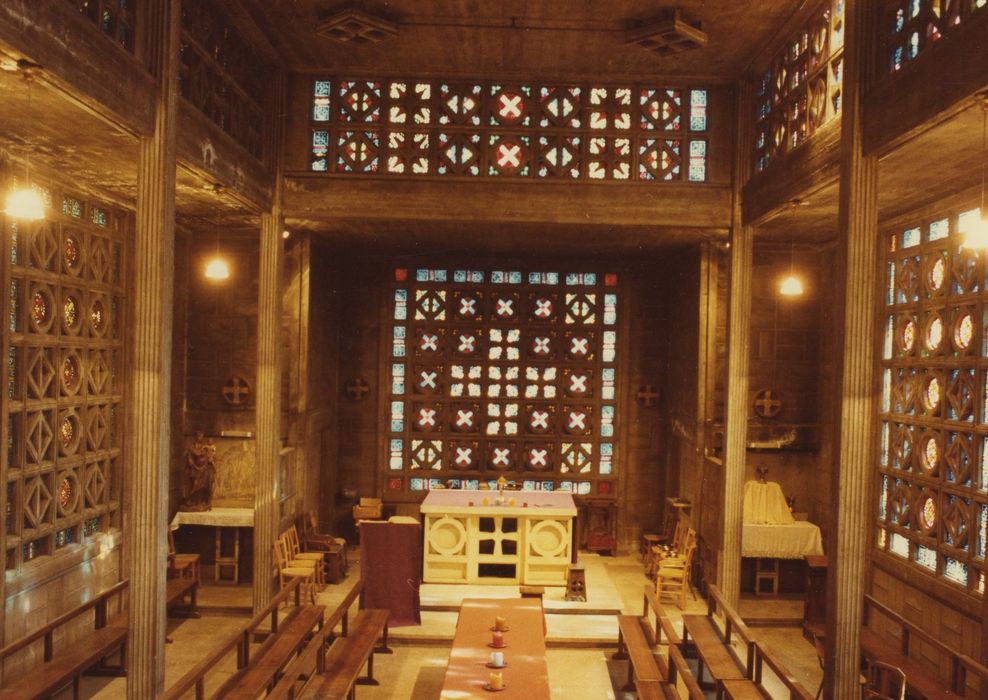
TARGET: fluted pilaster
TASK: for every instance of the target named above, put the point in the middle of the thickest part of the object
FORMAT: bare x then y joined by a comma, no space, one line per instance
739,342
857,275
146,445
736,419
266,514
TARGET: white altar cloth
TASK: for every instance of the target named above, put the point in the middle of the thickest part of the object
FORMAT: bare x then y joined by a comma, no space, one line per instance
217,517
793,541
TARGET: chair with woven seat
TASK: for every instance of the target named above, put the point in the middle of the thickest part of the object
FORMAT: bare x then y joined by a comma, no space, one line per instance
672,577
882,681
287,572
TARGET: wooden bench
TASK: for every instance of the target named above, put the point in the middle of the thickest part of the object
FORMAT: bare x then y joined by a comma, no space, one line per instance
679,672
240,643
920,679
311,659
177,589
82,655
643,672
736,676
342,665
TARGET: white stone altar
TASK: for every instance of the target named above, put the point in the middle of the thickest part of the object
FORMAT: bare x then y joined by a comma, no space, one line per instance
476,537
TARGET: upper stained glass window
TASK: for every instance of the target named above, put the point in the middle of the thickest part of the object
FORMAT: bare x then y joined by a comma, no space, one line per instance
503,372
801,90
507,129
912,26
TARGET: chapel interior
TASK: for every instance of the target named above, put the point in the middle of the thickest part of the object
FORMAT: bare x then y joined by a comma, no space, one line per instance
548,300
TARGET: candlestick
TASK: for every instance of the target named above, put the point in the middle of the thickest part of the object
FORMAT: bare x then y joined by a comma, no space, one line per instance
496,681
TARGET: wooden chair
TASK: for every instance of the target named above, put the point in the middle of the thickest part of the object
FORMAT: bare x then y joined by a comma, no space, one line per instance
295,553
883,681
287,572
662,551
182,565
818,646
299,562
672,577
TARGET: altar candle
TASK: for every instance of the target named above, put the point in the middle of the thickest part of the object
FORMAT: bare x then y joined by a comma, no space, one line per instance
500,623
496,681
497,658
497,639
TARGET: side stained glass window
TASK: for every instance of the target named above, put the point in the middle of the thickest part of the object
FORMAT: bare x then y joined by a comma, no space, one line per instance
933,461
503,372
509,130
64,357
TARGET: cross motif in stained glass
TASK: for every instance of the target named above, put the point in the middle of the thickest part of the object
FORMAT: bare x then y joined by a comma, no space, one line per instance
510,105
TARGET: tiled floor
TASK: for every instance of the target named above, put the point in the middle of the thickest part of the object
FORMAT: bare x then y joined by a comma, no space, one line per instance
581,636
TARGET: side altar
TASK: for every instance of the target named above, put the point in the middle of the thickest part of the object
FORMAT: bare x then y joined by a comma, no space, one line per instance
513,537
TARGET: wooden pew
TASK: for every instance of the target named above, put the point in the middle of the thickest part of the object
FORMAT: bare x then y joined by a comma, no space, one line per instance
311,659
715,650
644,676
240,643
108,637
177,589
920,679
347,656
679,672
734,676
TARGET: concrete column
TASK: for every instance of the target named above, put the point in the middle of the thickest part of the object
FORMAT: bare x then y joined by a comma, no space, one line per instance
266,514
269,312
146,443
857,275
738,352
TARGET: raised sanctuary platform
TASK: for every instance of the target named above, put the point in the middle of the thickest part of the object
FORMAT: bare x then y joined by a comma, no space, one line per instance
479,537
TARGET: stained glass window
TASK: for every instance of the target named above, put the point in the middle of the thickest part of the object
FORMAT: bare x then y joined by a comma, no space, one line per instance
505,372
67,287
912,26
115,18
801,90
933,460
502,129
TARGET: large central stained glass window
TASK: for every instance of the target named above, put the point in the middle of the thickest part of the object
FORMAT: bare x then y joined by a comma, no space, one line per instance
503,372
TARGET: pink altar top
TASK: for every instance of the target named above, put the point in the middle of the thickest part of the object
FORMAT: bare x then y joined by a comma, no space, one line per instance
461,501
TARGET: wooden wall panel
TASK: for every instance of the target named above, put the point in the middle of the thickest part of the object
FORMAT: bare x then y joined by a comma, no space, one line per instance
938,83
77,57
802,172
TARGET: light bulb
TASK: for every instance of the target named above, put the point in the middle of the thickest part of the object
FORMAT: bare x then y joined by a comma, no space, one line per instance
976,235
791,286
25,203
217,269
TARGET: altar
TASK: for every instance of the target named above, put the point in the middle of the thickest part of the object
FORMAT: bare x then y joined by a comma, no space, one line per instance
524,537
226,549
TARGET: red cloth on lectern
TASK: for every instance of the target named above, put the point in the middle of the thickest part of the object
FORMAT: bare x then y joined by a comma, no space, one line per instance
391,569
